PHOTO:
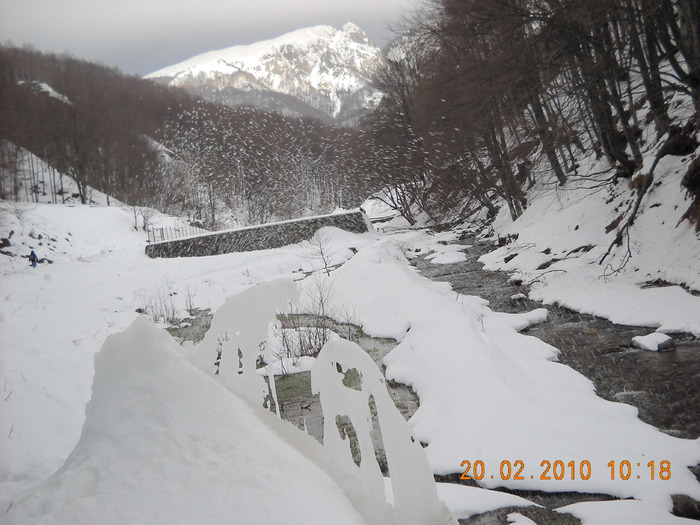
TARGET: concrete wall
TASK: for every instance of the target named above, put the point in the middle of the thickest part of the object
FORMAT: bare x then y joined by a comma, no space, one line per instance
264,236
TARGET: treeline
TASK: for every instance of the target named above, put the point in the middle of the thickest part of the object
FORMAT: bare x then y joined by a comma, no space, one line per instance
152,145
84,120
483,94
260,164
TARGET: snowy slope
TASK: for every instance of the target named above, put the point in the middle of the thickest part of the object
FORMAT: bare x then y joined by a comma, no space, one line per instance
154,450
565,232
487,392
322,66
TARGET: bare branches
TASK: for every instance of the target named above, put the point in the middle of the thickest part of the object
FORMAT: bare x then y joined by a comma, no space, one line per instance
504,86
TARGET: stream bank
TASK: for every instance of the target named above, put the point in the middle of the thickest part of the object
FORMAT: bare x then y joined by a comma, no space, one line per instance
663,386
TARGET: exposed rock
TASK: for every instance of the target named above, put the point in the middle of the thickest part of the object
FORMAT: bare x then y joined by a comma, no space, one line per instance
655,342
691,181
686,507
680,142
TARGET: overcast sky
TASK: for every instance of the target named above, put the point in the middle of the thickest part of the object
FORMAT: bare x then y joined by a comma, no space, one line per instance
141,36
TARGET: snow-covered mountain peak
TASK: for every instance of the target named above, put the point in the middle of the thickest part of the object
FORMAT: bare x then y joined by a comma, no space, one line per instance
321,66
302,39
355,33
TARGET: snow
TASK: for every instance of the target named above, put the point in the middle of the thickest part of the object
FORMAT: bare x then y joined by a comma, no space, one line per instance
415,498
653,342
518,519
377,209
334,63
669,309
237,330
285,349
489,393
245,53
145,425
54,318
625,512
465,501
42,87
448,258
288,365
162,443
566,228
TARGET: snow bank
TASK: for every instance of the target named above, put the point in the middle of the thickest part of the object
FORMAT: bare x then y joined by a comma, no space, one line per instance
488,393
164,443
465,501
625,512
564,233
669,309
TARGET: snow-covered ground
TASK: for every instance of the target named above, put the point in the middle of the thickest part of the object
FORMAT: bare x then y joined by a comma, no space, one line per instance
573,227
161,441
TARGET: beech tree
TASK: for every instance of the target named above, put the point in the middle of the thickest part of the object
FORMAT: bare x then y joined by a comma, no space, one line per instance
502,87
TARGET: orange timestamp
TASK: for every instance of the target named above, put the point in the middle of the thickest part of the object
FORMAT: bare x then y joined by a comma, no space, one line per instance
573,470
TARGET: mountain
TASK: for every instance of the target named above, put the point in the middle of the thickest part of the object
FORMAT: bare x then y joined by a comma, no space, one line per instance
318,71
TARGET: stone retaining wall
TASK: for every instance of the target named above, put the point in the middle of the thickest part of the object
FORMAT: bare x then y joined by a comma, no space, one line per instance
261,237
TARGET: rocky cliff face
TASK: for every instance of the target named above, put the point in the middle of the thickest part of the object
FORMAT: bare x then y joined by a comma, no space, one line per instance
319,71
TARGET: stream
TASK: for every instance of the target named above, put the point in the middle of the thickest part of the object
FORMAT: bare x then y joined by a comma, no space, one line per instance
664,386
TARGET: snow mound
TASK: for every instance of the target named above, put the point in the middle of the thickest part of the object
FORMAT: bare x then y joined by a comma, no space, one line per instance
165,443
653,342
488,393
625,512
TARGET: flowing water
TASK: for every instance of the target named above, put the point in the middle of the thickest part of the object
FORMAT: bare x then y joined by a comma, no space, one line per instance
664,386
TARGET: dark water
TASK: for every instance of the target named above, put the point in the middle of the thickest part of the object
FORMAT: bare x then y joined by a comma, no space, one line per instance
664,386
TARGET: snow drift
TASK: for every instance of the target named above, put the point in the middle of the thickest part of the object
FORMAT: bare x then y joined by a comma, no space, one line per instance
164,443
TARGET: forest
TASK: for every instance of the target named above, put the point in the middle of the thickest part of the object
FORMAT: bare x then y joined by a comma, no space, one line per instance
482,99
487,95
151,145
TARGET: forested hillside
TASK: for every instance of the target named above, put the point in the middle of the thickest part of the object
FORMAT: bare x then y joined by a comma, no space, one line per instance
83,119
481,101
484,98
156,146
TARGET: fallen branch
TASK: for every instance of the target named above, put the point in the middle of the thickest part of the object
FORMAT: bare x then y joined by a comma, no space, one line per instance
646,184
536,279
